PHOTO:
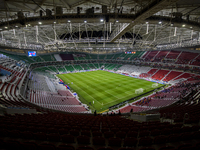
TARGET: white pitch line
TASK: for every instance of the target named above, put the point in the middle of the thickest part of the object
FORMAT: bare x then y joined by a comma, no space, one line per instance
88,94
117,99
111,94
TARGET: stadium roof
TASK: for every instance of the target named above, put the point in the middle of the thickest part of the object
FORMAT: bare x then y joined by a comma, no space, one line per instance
99,24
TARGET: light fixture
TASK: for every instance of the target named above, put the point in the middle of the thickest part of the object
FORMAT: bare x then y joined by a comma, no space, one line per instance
117,21
29,24
85,21
101,20
147,22
16,26
160,22
39,22
172,24
69,21
183,25
6,27
191,27
54,22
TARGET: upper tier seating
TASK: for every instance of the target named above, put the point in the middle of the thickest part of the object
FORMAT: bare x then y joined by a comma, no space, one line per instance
173,54
186,57
196,60
160,56
151,55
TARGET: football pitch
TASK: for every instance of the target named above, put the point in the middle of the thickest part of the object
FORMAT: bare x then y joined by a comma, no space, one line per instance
102,89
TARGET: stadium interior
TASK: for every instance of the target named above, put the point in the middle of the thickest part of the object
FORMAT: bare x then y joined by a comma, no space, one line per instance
99,74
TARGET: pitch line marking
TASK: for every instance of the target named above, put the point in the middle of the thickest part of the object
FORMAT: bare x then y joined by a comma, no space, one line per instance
88,94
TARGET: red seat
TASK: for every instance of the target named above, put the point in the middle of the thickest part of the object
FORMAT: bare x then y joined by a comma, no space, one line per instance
29,145
74,132
147,148
114,141
167,148
53,137
196,135
105,148
46,146
96,133
145,141
132,134
65,147
85,148
63,131
87,133
40,136
160,139
83,139
98,140
130,141
67,138
121,134
12,144
108,134
144,133
155,132
173,138
26,135
126,148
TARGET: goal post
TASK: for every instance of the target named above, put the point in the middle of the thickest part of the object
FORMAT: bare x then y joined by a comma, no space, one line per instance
154,85
138,91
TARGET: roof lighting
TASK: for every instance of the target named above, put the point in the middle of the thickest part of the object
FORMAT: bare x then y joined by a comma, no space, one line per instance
39,22
54,22
160,22
117,20
6,27
147,22
16,26
69,21
101,20
183,25
85,21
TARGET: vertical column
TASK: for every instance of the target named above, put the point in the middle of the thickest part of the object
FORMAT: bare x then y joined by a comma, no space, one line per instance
54,29
175,29
147,31
79,29
37,33
14,32
25,39
155,34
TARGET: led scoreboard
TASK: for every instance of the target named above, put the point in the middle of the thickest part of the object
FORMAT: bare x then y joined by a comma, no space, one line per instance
130,52
31,53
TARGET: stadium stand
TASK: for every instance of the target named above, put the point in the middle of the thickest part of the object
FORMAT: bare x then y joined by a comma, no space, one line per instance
49,128
160,74
100,75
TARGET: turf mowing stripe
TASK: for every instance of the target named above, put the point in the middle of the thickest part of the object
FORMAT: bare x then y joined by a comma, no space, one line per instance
105,88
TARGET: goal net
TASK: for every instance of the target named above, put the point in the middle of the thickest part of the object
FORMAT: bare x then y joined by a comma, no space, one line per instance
154,85
138,91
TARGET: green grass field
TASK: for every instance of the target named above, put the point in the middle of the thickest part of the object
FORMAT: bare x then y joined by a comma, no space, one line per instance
104,89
